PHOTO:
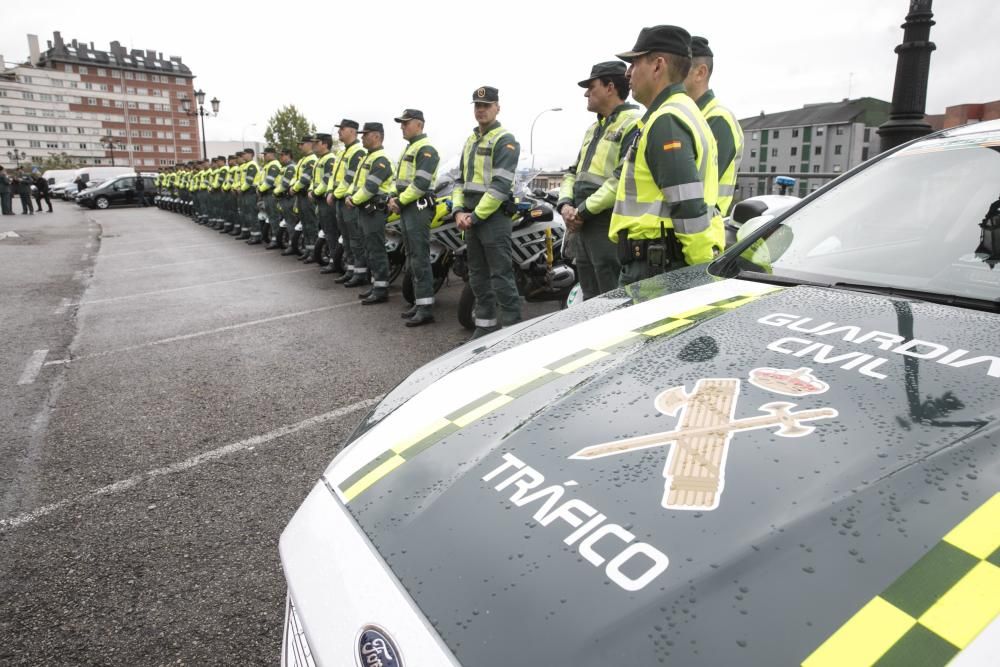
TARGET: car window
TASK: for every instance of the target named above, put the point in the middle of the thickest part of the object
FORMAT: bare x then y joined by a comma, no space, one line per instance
910,221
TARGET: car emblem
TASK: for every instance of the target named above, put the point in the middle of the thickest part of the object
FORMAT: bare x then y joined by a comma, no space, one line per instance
375,648
695,467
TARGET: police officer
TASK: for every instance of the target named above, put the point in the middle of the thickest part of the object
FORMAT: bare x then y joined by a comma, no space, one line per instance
248,199
235,180
373,186
725,128
282,200
300,188
414,202
483,200
232,167
326,214
218,178
669,183
270,173
587,195
340,186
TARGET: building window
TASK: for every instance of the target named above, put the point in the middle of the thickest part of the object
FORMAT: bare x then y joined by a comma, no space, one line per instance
819,131
868,134
116,89
84,70
185,149
8,126
795,132
753,136
45,97
101,72
180,81
63,129
836,168
73,84
106,103
140,77
142,91
35,144
775,134
146,120
119,104
147,134
58,83
92,101
133,119
131,105
81,130
774,152
52,144
25,79
28,96
773,169
818,150
791,170
30,112
752,169
50,128
68,68
184,122
129,75
840,130
837,149
143,106
815,168
32,127
864,153
795,151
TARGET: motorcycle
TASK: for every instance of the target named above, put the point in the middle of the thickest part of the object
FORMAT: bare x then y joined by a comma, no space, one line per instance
445,240
540,271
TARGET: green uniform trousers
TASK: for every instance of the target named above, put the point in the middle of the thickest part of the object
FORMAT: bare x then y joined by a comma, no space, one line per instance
307,215
597,267
491,272
372,228
416,226
359,258
327,216
344,228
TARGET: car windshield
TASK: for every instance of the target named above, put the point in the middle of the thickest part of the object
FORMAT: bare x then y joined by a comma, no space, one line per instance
917,221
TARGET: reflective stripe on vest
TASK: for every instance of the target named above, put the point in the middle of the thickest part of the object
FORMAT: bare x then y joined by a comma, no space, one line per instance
478,169
727,179
407,168
640,204
340,173
318,184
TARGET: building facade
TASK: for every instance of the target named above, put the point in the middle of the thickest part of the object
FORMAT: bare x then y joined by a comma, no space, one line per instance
813,144
963,114
126,107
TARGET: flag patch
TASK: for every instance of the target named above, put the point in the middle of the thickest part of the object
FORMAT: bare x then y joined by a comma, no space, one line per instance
671,145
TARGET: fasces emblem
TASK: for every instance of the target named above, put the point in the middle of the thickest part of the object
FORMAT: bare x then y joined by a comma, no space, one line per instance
696,465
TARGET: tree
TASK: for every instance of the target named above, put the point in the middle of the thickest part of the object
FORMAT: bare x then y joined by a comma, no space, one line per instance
286,127
58,161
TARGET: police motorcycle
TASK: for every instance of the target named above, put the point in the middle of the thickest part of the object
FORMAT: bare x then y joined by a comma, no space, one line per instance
540,271
759,209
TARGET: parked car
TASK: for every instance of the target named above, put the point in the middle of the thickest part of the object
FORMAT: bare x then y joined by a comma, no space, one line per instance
117,191
788,456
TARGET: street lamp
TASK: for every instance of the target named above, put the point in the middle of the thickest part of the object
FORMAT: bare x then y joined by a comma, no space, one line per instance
17,156
532,135
200,97
109,141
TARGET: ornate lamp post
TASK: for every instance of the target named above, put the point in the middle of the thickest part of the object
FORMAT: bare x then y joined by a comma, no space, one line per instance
17,156
200,96
109,141
909,93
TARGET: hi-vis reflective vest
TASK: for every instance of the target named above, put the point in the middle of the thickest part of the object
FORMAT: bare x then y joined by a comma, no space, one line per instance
320,185
640,205
227,177
479,172
727,179
303,169
287,175
342,183
270,172
386,187
595,171
251,174
406,170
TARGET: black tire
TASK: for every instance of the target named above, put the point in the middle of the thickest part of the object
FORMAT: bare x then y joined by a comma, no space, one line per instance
466,308
102,203
319,253
298,242
395,268
408,287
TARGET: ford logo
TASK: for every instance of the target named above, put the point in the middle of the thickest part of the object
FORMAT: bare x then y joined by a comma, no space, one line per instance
376,648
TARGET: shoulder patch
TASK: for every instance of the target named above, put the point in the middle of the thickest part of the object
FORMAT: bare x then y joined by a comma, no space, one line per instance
671,145
509,146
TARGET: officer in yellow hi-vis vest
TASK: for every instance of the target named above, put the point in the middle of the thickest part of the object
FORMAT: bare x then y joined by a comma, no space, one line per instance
306,229
372,188
228,199
339,188
587,195
414,202
669,184
248,198
283,201
326,216
235,179
212,196
483,198
726,129
269,175
294,215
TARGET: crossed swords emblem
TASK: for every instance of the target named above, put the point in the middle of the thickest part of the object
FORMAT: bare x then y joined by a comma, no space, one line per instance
695,467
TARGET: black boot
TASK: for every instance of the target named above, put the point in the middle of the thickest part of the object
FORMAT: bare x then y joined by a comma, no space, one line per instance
236,230
272,245
329,268
226,228
344,278
379,295
357,280
288,251
409,312
424,315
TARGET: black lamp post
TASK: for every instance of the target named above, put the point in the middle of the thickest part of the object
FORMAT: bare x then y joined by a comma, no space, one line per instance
200,96
17,156
909,93
109,141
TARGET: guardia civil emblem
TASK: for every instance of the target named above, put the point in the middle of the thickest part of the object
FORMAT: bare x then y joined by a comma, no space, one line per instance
696,465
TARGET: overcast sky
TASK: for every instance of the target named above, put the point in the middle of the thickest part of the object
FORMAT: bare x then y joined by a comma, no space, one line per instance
368,62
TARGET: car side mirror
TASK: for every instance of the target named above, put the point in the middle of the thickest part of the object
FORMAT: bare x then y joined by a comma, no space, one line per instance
752,225
747,210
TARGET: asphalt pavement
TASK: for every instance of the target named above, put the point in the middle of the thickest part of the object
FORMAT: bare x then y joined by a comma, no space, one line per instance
168,397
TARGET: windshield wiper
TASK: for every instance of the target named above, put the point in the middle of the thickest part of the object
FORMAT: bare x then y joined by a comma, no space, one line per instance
772,279
922,295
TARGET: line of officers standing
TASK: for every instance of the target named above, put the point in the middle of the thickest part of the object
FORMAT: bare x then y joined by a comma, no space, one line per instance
647,193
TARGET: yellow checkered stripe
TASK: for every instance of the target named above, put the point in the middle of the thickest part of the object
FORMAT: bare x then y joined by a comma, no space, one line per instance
419,441
934,610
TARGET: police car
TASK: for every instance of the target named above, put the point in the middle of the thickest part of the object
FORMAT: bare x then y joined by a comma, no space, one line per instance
792,457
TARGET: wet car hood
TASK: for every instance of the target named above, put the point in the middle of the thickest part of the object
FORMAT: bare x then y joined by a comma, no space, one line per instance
807,447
